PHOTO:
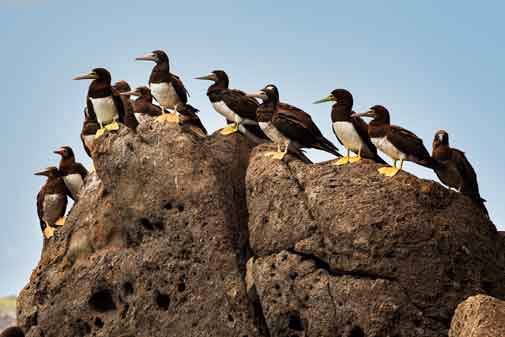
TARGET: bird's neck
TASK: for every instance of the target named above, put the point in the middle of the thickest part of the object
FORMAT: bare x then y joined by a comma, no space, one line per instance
99,88
217,86
341,113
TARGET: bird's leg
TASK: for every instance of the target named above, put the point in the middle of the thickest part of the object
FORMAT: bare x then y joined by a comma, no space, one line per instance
229,129
170,117
281,154
344,160
100,131
60,222
356,158
112,126
391,171
273,153
48,231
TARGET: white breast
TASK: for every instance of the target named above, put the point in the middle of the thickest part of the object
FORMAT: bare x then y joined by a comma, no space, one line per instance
165,94
74,183
105,109
348,135
385,146
53,207
223,109
272,133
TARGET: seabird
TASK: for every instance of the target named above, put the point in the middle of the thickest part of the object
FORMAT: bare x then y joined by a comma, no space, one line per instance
12,331
51,201
351,132
397,142
143,106
233,104
288,125
73,173
454,169
188,116
129,118
103,104
166,88
88,133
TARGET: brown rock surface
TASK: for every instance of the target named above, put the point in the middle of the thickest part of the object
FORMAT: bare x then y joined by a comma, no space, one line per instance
479,316
343,251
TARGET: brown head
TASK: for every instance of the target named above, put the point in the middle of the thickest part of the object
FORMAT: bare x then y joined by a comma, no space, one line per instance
379,114
138,92
121,86
65,152
339,96
157,56
219,77
270,97
97,74
49,172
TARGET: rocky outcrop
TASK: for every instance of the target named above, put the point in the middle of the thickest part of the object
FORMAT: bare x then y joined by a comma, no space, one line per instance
343,251
177,235
479,316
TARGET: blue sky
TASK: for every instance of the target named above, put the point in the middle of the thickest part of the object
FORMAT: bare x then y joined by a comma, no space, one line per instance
433,64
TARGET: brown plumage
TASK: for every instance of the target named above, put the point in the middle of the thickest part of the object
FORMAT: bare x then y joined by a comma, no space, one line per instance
73,173
12,331
454,169
188,117
52,198
143,106
129,117
89,129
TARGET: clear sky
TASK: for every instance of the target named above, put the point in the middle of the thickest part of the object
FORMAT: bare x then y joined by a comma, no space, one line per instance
434,64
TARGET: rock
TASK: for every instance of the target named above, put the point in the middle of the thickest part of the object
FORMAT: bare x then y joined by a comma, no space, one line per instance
479,316
343,251
156,245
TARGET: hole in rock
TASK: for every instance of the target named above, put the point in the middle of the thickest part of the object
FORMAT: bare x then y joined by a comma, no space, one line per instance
146,224
102,301
81,328
98,323
293,275
357,332
230,318
294,321
181,286
168,205
128,288
180,208
162,300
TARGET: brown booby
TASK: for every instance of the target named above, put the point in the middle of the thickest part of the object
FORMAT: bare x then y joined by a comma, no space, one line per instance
129,118
351,132
288,126
143,106
88,133
188,117
51,201
233,104
103,104
454,169
12,331
397,142
73,173
166,88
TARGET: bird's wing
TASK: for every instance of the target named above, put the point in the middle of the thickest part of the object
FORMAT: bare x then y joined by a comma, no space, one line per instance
40,209
118,102
83,172
407,142
237,101
89,112
295,124
180,89
361,128
467,173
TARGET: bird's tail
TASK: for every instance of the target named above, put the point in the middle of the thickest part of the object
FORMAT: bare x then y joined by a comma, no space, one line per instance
325,145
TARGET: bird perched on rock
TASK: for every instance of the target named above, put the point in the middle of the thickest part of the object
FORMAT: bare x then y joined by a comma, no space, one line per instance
188,117
288,126
233,104
351,132
454,169
88,133
167,88
73,173
12,331
397,142
51,201
103,104
143,106
129,118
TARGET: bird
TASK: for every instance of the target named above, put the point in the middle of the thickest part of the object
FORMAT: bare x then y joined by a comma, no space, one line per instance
88,133
12,331
188,116
103,104
129,117
288,125
166,88
395,141
51,201
143,106
233,104
351,132
73,173
454,169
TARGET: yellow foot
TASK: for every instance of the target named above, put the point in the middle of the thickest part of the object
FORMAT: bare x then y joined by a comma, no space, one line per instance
277,155
232,128
168,117
48,232
112,126
100,132
354,159
342,161
60,222
388,171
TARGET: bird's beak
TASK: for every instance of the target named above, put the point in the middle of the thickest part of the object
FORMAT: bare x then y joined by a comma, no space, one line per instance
329,98
259,94
369,113
130,93
41,173
147,57
210,77
60,151
91,76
